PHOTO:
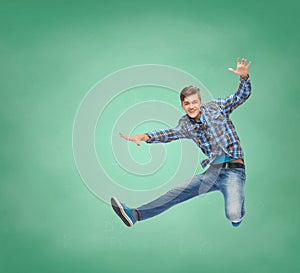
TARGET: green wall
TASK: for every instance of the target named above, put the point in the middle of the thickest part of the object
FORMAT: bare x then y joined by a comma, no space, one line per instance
54,52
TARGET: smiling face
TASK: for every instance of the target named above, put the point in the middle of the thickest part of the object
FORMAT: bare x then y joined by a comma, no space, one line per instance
191,105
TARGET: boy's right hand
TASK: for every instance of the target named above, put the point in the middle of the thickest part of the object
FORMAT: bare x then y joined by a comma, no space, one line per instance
137,138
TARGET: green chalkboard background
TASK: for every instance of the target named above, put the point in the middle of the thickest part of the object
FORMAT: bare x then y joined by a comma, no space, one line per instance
54,52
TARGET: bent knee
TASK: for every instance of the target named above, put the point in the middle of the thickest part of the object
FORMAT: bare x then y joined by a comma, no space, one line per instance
234,215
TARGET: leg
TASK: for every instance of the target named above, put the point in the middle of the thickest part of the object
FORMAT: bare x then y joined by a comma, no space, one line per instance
199,184
232,184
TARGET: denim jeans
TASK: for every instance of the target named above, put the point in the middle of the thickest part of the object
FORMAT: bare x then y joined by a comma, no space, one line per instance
230,182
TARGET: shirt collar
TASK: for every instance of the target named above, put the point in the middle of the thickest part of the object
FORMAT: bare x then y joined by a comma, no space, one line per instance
202,118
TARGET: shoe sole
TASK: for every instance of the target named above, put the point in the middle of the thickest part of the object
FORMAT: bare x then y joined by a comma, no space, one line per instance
118,208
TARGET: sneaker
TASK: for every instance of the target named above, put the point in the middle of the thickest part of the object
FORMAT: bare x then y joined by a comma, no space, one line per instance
123,212
236,224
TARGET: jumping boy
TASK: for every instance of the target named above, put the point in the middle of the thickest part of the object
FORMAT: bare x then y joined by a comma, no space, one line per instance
210,127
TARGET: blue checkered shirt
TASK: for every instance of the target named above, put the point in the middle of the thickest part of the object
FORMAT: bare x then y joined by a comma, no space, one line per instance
214,133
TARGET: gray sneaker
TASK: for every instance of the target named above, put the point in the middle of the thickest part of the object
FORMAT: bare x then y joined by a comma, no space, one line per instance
123,212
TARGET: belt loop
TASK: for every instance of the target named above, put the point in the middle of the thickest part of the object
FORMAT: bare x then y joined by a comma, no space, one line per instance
226,165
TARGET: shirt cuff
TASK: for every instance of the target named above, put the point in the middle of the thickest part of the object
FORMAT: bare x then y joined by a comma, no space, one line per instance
245,79
151,137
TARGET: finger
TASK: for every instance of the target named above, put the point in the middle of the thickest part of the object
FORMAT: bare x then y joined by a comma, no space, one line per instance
233,71
249,64
121,134
238,60
124,136
138,143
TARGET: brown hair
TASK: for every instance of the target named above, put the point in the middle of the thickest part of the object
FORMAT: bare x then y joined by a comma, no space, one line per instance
187,91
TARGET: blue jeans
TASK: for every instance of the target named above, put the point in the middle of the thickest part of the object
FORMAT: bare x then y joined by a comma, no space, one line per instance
230,182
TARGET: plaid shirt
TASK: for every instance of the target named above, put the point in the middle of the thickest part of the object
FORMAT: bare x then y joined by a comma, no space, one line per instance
214,133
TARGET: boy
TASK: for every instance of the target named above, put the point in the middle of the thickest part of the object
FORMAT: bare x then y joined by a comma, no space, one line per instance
211,128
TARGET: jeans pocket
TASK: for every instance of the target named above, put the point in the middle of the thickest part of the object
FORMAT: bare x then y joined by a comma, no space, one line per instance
241,172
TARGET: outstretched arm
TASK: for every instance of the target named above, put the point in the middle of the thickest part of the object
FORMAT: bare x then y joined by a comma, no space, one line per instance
162,135
137,138
243,91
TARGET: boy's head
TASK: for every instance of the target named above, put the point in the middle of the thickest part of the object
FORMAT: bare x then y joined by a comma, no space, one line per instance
190,90
191,101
